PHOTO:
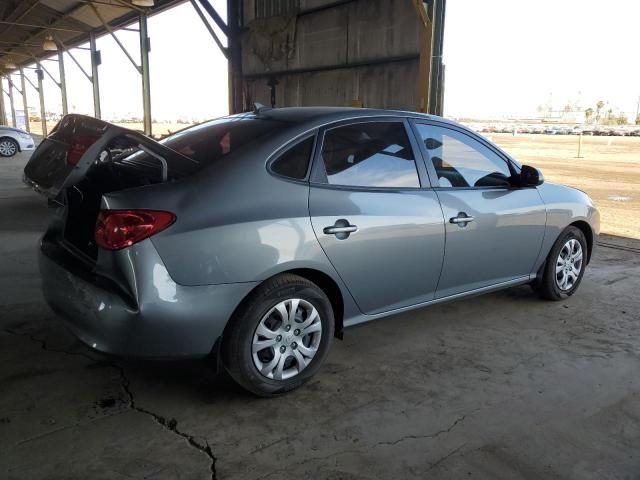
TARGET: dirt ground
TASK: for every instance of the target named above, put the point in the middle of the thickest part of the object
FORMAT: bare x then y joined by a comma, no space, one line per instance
609,172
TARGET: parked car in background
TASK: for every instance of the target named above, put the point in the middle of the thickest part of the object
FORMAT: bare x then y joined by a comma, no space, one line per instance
259,237
14,140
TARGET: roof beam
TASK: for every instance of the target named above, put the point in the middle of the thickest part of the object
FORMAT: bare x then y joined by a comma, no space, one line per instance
19,13
58,17
43,27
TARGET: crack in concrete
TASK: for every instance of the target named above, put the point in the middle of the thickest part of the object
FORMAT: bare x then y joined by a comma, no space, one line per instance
430,435
170,425
445,457
305,461
46,348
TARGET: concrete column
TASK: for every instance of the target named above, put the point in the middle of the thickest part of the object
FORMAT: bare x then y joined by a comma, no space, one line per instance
63,82
24,100
95,61
145,47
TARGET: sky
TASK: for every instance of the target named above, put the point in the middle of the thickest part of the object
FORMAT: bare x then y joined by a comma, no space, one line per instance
506,57
502,57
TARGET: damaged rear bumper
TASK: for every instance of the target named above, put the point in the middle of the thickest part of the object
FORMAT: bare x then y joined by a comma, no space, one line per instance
138,310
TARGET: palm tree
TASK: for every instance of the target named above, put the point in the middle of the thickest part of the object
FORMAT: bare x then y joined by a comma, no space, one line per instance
588,113
599,107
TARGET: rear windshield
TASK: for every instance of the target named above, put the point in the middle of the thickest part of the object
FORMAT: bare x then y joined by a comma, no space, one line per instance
202,145
210,141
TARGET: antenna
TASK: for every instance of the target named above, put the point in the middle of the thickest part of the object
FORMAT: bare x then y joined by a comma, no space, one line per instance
258,107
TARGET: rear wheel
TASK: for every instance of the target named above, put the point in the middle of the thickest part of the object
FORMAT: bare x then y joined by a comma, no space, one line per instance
565,266
280,336
8,147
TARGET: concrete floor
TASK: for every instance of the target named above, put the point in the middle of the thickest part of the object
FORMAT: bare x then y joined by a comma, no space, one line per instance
503,386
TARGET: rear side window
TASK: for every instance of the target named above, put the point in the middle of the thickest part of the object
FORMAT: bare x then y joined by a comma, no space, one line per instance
374,154
294,163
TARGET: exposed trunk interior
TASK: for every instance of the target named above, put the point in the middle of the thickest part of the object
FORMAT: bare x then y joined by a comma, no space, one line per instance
82,200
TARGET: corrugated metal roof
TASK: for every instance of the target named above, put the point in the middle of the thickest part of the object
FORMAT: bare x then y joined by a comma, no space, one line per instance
24,24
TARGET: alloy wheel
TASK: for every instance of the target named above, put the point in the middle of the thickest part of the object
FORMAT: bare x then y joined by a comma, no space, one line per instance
286,339
7,148
569,264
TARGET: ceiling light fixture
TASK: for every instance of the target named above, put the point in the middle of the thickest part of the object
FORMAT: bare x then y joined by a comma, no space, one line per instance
10,64
143,3
49,44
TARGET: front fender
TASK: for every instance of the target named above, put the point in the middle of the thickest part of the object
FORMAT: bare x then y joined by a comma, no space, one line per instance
566,206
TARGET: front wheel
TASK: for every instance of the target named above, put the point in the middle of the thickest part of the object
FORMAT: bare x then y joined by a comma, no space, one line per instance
279,336
565,266
8,147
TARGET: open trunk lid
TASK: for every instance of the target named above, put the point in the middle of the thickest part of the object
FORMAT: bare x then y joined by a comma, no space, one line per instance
79,142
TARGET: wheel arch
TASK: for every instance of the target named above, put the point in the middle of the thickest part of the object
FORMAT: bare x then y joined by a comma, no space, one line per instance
330,288
324,281
585,228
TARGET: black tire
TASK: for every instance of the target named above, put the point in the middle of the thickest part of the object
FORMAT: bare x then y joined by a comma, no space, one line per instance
16,147
547,285
237,355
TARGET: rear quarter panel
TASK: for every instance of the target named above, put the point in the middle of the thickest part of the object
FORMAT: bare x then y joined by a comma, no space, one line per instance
236,223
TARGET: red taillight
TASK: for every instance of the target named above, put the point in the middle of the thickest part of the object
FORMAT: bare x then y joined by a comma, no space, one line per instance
117,229
79,145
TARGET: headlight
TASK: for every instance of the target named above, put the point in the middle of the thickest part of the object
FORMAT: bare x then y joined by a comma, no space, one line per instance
24,135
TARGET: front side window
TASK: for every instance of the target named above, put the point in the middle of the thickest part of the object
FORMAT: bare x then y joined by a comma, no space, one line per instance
461,161
375,154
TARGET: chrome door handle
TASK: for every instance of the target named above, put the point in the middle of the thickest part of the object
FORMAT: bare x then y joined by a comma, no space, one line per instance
461,218
341,229
334,230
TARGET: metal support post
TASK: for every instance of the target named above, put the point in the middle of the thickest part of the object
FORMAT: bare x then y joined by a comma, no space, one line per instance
43,113
24,101
436,84
3,113
424,66
210,29
236,97
63,82
95,61
145,47
13,108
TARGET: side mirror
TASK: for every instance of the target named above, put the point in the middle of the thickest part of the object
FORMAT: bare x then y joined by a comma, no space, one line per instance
531,176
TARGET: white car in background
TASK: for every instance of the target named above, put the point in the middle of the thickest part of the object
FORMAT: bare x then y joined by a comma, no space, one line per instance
14,140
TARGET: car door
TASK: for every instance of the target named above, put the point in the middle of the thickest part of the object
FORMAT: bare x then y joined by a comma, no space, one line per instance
494,228
381,230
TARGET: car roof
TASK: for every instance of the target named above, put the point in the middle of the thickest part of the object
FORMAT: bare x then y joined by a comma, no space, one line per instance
331,114
11,129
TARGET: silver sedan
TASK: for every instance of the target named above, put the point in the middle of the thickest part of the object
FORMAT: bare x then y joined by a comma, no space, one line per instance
14,140
258,238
